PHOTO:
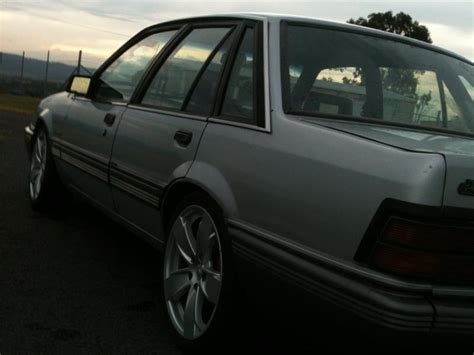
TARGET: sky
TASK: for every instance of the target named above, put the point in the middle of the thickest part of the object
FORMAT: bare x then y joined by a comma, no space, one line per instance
99,27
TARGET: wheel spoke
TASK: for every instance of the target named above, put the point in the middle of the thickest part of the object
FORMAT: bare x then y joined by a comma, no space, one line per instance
212,286
177,284
37,184
34,173
205,235
190,313
38,154
32,190
44,147
199,322
41,145
185,240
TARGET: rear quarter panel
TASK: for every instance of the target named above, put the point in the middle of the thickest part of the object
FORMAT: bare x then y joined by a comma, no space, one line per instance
311,185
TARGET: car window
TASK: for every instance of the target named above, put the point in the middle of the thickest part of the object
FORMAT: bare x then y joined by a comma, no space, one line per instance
331,72
453,112
171,84
203,95
411,96
120,79
238,104
337,91
469,86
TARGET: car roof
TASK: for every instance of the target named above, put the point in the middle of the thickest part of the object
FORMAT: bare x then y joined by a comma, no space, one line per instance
275,18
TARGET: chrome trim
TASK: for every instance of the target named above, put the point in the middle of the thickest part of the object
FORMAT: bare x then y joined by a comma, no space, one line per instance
132,174
84,166
79,150
266,75
87,99
134,191
238,124
166,112
338,265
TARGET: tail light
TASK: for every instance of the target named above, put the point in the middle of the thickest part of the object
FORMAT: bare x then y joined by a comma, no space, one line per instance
436,252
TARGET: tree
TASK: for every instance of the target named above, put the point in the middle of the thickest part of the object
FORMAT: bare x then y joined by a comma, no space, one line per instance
401,81
401,24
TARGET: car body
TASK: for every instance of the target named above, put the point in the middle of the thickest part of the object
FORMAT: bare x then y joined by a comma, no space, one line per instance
307,195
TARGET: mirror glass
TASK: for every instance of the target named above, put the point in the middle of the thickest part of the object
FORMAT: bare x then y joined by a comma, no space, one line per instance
80,85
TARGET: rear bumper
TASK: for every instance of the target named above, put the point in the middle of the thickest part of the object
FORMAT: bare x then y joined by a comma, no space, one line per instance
356,299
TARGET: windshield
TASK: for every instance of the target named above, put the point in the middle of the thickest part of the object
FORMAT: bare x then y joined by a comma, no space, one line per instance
334,73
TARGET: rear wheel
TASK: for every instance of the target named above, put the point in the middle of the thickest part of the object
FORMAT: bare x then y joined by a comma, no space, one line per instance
197,273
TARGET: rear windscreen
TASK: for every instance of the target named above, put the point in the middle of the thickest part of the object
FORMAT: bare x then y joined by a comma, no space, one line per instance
334,73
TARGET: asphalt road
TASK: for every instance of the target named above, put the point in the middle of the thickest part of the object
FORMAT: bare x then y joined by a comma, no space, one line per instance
80,284
77,283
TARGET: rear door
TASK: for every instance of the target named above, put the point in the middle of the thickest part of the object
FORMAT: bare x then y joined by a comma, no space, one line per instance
91,123
159,134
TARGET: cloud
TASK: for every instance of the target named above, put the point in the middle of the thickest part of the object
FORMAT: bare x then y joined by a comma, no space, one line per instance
100,26
455,39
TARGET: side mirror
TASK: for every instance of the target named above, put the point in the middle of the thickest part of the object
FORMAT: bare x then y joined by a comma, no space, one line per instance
79,84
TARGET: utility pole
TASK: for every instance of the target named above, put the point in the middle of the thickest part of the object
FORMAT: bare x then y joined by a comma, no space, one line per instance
79,62
22,65
46,75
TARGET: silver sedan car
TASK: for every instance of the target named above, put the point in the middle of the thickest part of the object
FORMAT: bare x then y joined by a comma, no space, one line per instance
328,165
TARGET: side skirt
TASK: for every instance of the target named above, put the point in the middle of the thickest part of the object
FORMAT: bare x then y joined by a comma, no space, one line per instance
133,228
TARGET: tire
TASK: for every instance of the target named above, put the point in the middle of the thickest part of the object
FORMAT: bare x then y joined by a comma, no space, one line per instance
198,275
45,190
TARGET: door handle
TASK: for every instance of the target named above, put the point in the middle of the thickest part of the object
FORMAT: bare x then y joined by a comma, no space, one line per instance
109,119
183,138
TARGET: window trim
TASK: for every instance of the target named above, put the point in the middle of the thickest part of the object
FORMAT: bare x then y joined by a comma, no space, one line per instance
303,115
180,114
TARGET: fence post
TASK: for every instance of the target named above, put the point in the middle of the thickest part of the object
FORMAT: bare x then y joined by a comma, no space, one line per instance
79,59
22,66
46,75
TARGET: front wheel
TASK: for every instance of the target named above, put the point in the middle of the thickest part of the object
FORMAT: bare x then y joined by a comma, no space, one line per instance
44,187
197,273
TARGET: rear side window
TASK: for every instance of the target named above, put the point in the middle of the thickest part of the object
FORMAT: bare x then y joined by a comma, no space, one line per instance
239,100
333,73
202,98
174,79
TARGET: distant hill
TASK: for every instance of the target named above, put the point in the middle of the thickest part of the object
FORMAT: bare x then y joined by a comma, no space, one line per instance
10,65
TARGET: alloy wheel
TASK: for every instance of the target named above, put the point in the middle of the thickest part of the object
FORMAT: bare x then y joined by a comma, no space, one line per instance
38,164
193,272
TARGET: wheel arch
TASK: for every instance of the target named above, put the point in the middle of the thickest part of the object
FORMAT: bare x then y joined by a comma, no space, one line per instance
182,187
44,119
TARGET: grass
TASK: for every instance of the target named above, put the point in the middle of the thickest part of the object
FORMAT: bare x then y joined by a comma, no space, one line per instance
19,104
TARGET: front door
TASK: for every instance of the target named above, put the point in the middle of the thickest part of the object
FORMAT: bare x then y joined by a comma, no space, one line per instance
87,144
157,138
91,124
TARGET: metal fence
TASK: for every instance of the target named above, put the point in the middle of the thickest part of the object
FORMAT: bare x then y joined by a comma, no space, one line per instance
24,75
